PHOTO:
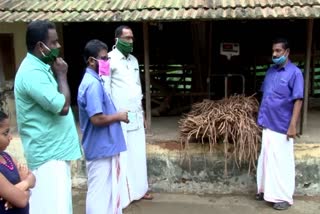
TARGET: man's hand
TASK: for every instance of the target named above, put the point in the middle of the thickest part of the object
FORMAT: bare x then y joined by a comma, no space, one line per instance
59,67
292,132
123,116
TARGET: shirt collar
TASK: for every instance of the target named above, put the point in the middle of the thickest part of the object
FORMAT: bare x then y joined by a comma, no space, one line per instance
288,65
38,62
93,73
284,68
120,55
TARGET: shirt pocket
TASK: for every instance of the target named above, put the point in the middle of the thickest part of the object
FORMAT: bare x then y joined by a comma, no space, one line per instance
282,89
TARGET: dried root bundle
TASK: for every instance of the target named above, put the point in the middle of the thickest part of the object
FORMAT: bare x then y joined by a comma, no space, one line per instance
231,121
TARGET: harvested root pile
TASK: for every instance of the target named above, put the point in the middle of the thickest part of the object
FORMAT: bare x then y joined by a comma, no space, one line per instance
231,121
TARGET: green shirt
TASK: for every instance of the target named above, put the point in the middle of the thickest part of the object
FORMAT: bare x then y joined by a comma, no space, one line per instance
45,134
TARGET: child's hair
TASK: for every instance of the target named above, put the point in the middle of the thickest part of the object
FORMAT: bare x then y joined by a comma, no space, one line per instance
3,116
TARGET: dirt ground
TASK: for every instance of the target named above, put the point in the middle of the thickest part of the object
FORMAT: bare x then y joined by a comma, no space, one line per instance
217,204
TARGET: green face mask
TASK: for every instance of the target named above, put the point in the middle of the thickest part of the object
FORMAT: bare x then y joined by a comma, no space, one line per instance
51,56
124,47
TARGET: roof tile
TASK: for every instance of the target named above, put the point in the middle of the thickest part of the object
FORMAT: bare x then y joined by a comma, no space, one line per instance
141,10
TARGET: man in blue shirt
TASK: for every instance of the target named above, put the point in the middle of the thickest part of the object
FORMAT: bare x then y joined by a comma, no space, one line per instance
103,139
278,115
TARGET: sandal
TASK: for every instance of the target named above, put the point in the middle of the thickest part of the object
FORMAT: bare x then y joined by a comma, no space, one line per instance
147,196
260,196
281,205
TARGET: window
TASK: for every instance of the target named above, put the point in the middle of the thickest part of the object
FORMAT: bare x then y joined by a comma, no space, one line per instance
7,59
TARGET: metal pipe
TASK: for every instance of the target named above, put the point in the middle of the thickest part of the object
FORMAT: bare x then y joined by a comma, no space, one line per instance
226,77
226,86
243,80
147,75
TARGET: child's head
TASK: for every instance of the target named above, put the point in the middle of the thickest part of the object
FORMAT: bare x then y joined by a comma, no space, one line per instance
5,135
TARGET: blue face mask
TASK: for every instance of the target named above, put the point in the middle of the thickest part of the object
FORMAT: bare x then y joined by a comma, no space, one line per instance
280,60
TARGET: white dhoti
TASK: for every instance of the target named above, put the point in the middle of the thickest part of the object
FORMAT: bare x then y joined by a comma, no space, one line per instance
276,167
103,196
125,88
52,192
134,180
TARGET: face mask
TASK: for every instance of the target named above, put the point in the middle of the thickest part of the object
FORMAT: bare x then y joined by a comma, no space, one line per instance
124,47
51,56
280,60
103,67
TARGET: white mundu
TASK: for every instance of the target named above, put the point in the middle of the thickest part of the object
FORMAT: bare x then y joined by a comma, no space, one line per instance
125,89
52,189
102,175
276,169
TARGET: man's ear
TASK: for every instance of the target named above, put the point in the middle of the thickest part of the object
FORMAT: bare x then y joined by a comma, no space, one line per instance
288,51
91,62
40,46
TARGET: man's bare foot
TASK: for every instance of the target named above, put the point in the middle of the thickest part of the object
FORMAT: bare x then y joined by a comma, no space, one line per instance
147,196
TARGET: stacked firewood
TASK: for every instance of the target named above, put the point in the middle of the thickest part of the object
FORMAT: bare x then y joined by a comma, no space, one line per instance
231,122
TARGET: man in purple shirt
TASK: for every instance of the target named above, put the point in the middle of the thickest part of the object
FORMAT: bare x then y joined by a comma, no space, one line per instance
103,138
279,111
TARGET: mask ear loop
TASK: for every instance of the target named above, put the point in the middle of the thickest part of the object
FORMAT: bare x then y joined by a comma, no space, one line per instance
45,47
91,58
114,46
286,53
95,60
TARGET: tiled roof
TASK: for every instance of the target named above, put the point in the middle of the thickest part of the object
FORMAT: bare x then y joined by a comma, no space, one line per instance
139,10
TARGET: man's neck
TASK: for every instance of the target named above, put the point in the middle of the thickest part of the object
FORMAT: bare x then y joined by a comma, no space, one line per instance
126,56
36,54
283,65
91,68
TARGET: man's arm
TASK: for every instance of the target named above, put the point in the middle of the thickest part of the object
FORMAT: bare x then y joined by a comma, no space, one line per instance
103,119
297,85
292,131
93,98
46,94
60,69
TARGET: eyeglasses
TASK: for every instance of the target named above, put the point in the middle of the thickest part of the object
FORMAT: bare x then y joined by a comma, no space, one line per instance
104,58
127,38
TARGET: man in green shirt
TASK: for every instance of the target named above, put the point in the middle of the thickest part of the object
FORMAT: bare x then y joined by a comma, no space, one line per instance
45,120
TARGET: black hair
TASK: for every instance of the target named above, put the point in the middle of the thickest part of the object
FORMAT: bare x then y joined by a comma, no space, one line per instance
3,116
283,41
92,49
37,31
118,31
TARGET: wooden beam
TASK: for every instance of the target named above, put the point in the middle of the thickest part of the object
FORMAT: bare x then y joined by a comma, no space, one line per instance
304,119
210,59
147,75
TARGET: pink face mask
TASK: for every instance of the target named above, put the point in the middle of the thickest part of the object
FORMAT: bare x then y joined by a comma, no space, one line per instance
104,67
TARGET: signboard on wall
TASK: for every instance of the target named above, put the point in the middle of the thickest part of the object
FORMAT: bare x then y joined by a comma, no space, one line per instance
229,49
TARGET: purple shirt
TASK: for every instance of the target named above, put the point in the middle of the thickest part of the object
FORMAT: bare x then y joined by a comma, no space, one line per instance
103,141
281,87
